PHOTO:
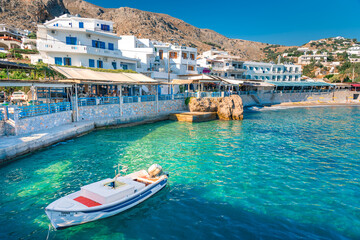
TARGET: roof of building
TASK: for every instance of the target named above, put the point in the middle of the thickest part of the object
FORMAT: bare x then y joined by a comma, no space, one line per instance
13,65
81,75
301,84
29,83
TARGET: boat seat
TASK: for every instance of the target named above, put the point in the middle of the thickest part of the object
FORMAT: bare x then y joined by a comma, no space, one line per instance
145,180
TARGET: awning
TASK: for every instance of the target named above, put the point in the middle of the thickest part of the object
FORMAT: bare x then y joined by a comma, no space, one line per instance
232,81
355,85
23,83
96,77
301,84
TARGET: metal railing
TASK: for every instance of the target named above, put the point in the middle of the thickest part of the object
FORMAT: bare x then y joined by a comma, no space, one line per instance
191,94
165,97
88,101
36,110
179,96
109,100
148,98
131,99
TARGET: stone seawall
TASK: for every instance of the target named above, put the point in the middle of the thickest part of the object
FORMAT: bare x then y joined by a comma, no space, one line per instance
42,122
277,98
2,128
130,110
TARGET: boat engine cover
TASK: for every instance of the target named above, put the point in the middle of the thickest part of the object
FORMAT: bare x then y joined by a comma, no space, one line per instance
155,170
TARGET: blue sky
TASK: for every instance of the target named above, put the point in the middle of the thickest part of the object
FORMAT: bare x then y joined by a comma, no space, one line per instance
276,22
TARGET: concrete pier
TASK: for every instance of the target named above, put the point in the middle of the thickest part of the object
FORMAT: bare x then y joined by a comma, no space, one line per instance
14,146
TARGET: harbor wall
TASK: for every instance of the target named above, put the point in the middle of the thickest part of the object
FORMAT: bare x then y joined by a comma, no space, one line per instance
130,110
277,98
42,122
2,128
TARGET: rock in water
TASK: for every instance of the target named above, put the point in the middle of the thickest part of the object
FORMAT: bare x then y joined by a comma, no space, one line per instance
227,108
203,104
238,110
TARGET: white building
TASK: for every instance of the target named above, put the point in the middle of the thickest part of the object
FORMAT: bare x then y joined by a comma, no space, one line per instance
272,72
155,57
221,64
11,37
179,60
76,41
355,50
307,59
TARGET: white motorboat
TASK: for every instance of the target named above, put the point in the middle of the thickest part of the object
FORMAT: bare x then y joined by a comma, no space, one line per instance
106,198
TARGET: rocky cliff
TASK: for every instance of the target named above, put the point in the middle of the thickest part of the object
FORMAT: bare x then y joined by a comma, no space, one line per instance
128,21
227,108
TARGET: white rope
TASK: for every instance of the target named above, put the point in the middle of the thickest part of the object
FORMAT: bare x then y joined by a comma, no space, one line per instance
48,232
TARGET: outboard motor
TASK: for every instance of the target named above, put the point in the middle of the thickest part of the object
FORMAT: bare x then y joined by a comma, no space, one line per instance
155,170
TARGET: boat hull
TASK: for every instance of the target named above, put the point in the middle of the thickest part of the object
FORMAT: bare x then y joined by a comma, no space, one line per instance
61,219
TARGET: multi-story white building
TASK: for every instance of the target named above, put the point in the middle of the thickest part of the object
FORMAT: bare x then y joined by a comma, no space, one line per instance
307,59
354,50
221,64
271,71
76,41
11,37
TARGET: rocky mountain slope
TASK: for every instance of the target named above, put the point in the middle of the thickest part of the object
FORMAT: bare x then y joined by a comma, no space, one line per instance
128,21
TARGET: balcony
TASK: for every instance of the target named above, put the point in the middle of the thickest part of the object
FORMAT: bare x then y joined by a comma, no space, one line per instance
50,46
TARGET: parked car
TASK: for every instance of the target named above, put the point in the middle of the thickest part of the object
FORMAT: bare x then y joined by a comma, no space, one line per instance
2,97
18,96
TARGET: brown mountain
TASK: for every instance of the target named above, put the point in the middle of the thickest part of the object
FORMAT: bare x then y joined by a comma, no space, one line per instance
128,21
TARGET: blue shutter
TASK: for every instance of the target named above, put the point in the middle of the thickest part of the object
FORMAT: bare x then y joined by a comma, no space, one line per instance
111,46
81,25
93,43
91,63
58,61
71,40
102,45
114,65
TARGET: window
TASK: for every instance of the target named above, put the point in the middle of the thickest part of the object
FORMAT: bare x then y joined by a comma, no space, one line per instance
81,25
100,64
102,45
91,63
192,56
111,46
58,61
105,27
114,65
191,68
173,55
227,64
124,66
184,55
226,74
67,61
71,40
161,54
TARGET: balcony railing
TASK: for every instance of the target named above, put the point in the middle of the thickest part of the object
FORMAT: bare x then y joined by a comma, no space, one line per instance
53,46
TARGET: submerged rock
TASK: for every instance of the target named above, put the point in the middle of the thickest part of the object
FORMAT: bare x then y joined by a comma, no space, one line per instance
227,108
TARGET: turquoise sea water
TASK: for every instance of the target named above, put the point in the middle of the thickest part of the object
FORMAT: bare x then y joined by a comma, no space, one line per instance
280,174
